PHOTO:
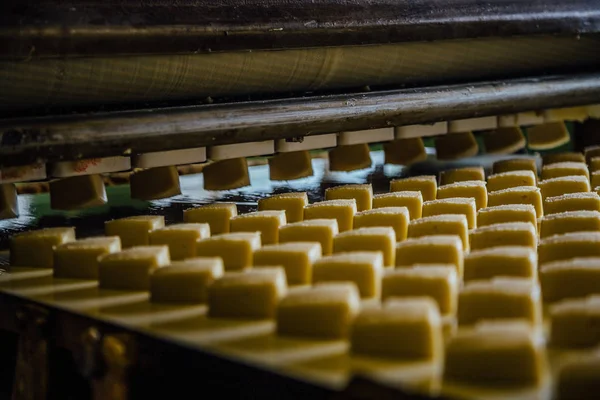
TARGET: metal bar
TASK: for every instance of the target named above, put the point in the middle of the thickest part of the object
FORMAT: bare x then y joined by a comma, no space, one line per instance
47,28
49,139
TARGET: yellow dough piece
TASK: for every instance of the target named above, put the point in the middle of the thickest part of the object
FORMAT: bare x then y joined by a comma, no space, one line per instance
405,151
518,195
576,277
134,231
456,145
155,183
507,180
315,230
322,311
247,294
573,323
296,258
595,180
181,238
500,298
292,203
569,245
579,377
9,204
591,152
585,201
438,282
462,174
515,164
185,281
342,210
350,158
547,136
440,249
365,269
571,221
579,114
473,189
448,224
506,140
495,354
400,329
265,222
226,174
394,217
411,200
507,213
217,215
426,184
564,185
505,234
363,194
36,248
553,158
594,164
382,239
235,249
130,269
77,192
514,261
558,170
458,205
79,259
290,165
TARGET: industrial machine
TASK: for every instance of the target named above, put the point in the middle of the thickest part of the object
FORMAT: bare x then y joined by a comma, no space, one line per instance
114,89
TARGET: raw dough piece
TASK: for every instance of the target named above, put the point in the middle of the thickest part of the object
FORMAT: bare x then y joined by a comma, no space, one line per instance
436,281
547,136
564,185
405,151
134,231
579,114
247,294
181,238
9,203
409,329
350,158
505,234
456,145
449,224
411,200
579,377
363,194
316,230
77,192
217,215
322,311
265,222
462,174
569,245
473,124
292,203
515,164
226,174
586,201
574,322
511,179
395,217
290,166
426,184
506,213
234,248
155,183
518,195
571,221
185,281
500,298
506,140
576,277
569,156
130,269
79,259
473,189
567,168
513,261
456,205
382,239
439,249
296,258
342,210
36,248
365,269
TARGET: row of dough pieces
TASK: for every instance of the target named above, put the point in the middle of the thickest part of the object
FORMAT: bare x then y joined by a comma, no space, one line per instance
163,181
512,302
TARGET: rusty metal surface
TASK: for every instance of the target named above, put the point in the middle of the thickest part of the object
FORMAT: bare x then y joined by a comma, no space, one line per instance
82,136
50,28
